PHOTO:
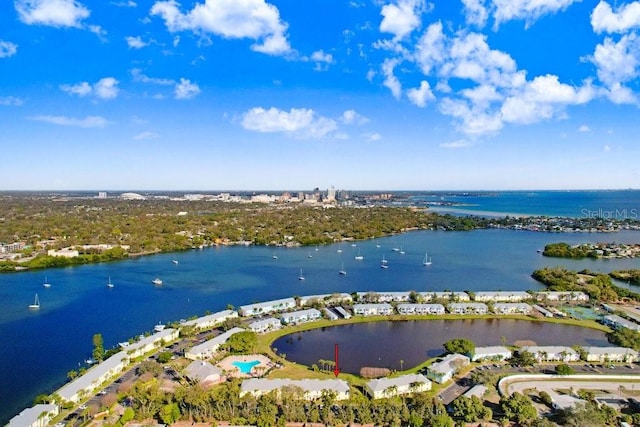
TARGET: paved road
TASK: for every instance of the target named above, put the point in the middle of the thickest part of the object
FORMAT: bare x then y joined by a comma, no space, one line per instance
575,383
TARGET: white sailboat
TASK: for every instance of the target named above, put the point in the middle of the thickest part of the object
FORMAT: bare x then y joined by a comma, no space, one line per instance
342,271
359,257
36,304
401,250
274,256
46,283
427,259
109,284
175,261
300,277
157,281
309,255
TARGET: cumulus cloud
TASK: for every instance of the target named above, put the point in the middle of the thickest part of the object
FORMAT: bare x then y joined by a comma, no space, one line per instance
253,19
402,17
298,122
460,143
55,13
626,17
87,122
526,10
421,95
106,88
390,80
352,117
186,90
7,49
372,137
129,3
475,12
584,128
136,42
617,62
322,60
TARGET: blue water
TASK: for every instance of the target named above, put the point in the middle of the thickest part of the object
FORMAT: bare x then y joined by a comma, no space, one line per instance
618,204
40,347
245,367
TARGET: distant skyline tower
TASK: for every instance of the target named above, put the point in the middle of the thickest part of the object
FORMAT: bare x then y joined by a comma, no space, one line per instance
102,194
331,194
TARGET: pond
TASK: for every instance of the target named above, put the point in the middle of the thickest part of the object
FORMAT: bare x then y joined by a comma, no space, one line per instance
409,343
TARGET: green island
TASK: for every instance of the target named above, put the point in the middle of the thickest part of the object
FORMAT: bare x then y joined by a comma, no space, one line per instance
631,276
592,250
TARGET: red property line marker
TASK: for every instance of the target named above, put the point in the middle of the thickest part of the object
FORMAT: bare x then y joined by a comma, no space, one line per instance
336,370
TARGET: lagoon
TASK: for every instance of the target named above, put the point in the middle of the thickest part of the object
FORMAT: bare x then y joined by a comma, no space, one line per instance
384,344
46,344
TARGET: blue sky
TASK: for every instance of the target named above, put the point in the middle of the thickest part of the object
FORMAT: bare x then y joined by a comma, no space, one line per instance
291,94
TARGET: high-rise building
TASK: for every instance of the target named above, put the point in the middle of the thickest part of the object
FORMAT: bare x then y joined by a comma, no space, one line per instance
102,194
331,194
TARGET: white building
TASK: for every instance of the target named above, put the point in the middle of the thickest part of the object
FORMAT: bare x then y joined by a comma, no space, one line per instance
36,416
383,309
445,369
502,296
265,325
211,320
421,309
388,387
330,314
203,372
616,322
146,344
561,296
611,354
94,377
312,389
267,307
511,308
496,352
379,297
445,296
468,308
208,349
301,316
325,299
550,353
63,253
342,312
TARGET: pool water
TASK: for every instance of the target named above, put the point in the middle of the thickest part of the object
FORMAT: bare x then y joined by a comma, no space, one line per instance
245,367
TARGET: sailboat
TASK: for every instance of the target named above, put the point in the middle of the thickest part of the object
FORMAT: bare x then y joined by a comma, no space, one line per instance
300,277
427,259
342,271
46,283
109,284
383,261
401,250
309,255
359,257
36,304
274,256
157,281
175,261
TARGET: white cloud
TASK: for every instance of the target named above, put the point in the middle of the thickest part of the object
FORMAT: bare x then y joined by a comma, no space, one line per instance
619,94
584,128
475,12
390,80
11,101
136,42
372,137
129,3
526,10
402,18
186,90
472,120
106,88
138,76
617,62
421,95
352,117
460,143
55,13
322,60
87,122
298,122
146,135
626,17
253,19
430,50
7,49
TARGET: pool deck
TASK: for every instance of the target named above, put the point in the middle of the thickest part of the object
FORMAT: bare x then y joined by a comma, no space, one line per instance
227,365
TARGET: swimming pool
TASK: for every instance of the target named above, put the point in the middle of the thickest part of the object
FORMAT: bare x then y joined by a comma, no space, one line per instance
245,367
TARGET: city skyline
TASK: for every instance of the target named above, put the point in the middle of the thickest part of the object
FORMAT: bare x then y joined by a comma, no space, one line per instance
371,95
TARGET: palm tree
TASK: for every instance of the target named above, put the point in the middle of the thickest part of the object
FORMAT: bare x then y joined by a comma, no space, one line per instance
401,364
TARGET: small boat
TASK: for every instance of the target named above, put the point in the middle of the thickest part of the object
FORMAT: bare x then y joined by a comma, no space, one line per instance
401,251
342,271
353,244
274,256
90,362
109,284
36,304
175,261
309,255
385,266
359,257
383,261
159,327
427,259
300,277
46,283
157,281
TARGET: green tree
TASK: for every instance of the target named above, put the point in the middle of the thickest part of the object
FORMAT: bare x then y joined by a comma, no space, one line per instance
523,358
470,409
170,413
564,369
164,357
625,337
460,345
242,342
518,408
98,348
